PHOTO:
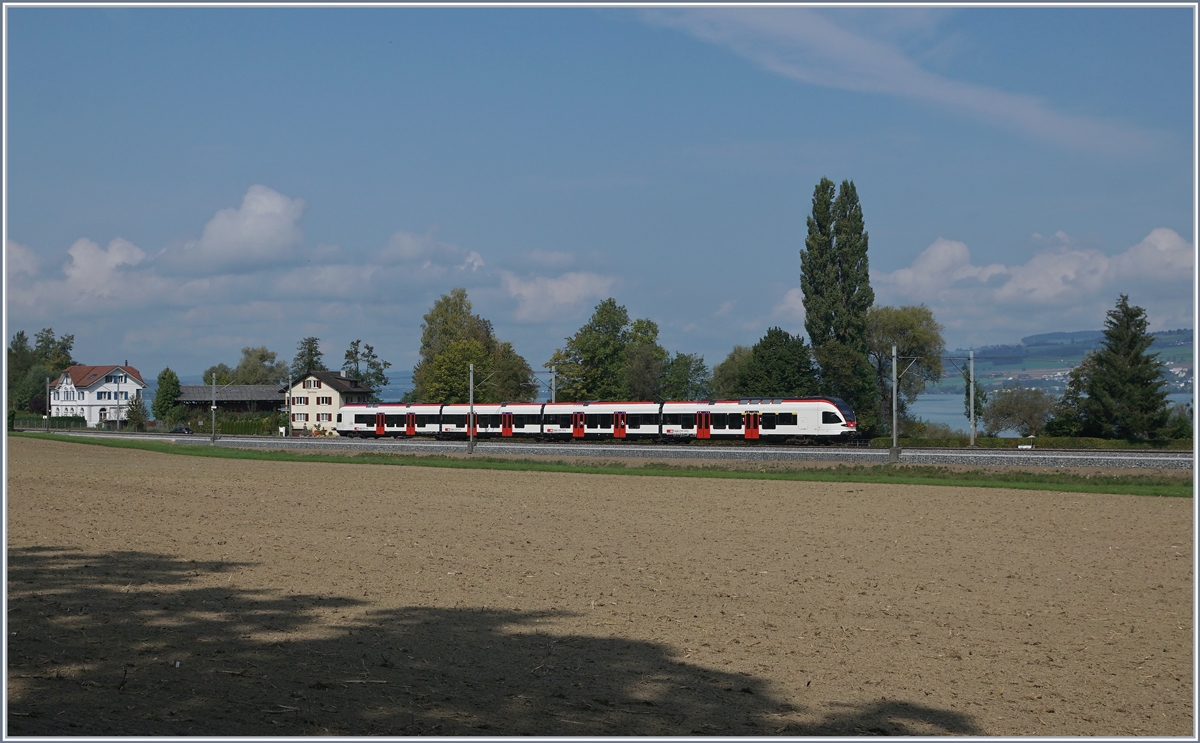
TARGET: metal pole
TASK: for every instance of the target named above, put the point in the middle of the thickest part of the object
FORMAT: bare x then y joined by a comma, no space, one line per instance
971,356
214,409
471,413
553,383
894,443
118,402
47,404
288,424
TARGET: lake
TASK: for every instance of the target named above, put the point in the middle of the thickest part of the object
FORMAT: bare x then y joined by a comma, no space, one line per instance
949,409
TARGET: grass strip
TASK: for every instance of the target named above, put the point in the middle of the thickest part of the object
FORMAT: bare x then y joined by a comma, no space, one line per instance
1150,485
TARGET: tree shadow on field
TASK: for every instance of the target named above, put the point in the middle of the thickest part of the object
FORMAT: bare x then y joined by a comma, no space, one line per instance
129,643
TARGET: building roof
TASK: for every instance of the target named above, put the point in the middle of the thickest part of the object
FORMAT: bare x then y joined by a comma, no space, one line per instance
336,380
86,376
198,393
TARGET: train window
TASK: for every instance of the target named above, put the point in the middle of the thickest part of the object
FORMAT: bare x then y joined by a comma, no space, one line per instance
650,420
687,420
518,421
591,420
718,420
606,420
339,417
459,421
367,419
633,420
395,420
828,417
735,421
787,419
670,419
768,420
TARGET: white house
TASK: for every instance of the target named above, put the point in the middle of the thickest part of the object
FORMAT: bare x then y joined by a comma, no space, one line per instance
98,393
316,397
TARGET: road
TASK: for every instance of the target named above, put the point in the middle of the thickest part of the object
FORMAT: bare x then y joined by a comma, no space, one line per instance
849,455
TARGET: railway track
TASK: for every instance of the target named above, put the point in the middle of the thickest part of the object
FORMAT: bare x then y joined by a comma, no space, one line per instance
1132,459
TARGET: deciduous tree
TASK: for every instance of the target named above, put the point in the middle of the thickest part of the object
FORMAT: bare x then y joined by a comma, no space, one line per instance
449,373
592,364
915,334
686,377
447,325
780,366
259,365
728,375
1021,409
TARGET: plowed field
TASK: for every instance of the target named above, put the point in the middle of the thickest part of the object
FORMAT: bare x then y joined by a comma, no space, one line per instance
153,594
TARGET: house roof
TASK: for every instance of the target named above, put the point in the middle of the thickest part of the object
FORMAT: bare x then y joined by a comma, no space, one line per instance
86,376
196,393
337,381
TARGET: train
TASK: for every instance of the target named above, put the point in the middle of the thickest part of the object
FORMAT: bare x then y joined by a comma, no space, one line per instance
753,419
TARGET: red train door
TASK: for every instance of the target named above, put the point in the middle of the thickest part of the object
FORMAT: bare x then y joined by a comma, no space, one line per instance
410,424
618,425
752,421
379,422
703,424
506,424
577,425
473,424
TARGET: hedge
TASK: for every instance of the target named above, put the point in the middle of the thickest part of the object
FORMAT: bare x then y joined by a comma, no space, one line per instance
1041,442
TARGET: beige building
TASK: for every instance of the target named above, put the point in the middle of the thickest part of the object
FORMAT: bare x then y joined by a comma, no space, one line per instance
316,397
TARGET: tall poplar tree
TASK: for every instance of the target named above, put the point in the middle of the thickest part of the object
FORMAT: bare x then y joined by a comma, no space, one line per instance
837,290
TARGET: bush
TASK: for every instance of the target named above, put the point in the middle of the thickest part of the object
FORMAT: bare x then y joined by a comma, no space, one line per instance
1041,442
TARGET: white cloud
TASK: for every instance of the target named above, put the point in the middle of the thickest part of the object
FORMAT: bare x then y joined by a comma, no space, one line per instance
1064,286
264,231
21,261
541,298
428,255
806,45
940,266
1163,256
791,306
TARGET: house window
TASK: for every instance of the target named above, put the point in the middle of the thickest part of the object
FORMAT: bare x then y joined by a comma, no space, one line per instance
312,384
324,416
300,417
324,401
299,400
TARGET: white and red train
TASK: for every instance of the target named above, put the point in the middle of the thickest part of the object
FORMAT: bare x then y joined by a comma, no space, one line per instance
824,418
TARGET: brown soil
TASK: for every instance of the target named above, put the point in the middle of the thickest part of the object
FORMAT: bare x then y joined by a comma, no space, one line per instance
154,594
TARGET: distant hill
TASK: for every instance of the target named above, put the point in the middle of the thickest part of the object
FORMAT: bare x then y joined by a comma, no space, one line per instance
1043,360
1058,339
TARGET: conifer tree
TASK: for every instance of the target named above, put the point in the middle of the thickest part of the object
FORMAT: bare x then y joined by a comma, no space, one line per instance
1126,383
308,356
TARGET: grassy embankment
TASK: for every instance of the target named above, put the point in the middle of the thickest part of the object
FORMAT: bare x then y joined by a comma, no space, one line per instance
1133,484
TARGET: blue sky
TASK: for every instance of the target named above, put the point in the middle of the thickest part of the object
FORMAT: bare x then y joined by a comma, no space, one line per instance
185,182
